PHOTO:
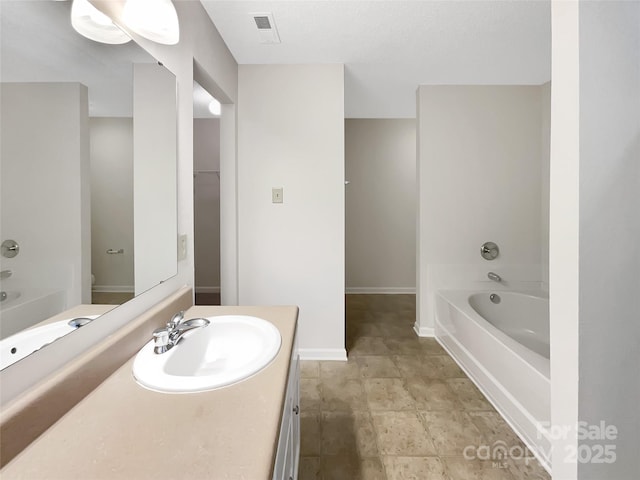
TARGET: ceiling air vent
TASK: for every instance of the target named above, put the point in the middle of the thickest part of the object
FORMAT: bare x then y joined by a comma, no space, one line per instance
266,27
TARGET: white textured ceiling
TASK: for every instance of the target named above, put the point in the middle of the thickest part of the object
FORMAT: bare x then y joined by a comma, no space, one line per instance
390,47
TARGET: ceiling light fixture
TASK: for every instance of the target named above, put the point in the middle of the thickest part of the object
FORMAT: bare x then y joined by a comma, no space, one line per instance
90,22
215,108
155,20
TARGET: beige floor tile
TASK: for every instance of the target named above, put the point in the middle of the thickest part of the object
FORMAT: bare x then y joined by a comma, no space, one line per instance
309,468
459,468
368,346
527,469
404,345
388,394
340,370
430,346
441,366
309,394
432,394
377,367
452,432
345,433
401,433
494,429
309,369
338,467
340,394
410,365
414,468
363,329
468,394
310,436
399,329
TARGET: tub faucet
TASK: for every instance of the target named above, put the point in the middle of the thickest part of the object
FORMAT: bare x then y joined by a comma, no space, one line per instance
494,276
168,337
6,273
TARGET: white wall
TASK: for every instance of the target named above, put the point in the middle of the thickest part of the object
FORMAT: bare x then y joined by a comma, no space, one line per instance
46,146
206,197
154,175
291,135
595,232
479,174
545,147
112,203
380,218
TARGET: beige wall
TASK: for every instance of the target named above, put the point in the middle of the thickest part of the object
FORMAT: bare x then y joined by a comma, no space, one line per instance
112,203
206,197
380,219
479,180
291,135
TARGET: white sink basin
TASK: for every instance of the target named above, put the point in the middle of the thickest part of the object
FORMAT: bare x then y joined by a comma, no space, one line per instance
230,349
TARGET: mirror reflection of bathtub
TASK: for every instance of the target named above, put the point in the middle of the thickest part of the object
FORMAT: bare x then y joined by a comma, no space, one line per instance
26,341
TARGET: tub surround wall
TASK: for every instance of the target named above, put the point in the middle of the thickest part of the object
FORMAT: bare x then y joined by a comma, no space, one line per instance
479,180
380,164
46,147
226,433
291,135
595,185
32,411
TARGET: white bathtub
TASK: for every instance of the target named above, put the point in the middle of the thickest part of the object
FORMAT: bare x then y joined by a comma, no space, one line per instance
23,309
504,348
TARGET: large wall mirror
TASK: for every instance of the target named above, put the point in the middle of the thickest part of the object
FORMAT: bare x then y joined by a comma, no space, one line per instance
87,171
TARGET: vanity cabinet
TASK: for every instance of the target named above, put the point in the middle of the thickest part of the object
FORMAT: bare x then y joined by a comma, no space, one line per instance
288,453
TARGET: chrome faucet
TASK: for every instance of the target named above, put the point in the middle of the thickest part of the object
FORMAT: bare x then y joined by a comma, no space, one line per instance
494,276
168,337
6,273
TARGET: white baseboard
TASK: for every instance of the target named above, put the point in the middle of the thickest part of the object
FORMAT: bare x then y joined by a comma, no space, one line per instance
207,289
381,290
424,331
339,354
112,288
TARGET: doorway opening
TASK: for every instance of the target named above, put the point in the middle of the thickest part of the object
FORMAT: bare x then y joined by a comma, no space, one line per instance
206,196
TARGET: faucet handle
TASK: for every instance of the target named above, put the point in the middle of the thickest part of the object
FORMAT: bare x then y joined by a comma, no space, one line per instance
160,340
176,320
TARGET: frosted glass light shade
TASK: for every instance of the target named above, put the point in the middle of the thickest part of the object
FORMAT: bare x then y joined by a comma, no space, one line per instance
156,20
214,107
90,22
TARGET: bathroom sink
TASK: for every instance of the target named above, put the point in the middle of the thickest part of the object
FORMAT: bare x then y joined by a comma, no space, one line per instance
230,349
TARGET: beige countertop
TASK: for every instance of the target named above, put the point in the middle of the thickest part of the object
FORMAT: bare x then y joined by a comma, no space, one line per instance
124,431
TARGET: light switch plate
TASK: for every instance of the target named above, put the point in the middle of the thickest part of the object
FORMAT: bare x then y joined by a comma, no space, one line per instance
182,247
276,195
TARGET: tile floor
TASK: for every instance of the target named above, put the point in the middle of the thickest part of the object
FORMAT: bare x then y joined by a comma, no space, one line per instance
400,408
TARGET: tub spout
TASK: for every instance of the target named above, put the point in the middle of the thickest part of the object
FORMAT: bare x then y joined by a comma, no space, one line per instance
494,276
